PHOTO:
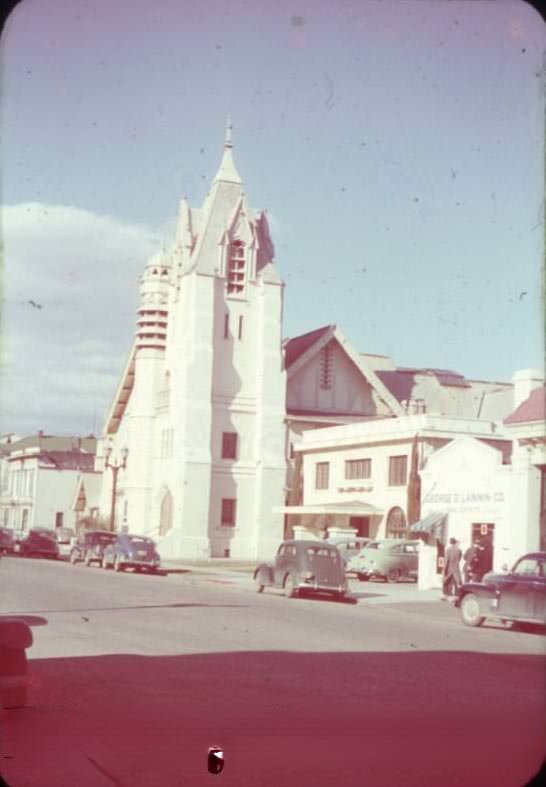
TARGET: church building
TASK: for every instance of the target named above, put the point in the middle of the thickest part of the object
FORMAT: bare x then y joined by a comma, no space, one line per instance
195,437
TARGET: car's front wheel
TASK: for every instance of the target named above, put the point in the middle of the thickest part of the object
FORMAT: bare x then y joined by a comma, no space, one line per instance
290,590
393,575
470,610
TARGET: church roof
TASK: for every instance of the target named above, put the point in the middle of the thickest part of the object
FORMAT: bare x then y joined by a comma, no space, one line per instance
531,410
295,347
440,391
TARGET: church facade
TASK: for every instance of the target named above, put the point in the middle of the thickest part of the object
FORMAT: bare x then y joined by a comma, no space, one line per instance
195,437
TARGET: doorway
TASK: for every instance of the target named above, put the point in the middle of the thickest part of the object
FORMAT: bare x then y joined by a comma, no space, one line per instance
361,524
483,534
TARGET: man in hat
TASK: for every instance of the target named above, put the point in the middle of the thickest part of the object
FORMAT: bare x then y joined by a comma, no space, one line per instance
452,573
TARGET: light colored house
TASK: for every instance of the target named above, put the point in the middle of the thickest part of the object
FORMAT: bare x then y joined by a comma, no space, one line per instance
41,472
200,407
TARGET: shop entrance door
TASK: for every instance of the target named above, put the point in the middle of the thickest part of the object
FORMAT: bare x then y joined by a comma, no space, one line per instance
483,534
361,524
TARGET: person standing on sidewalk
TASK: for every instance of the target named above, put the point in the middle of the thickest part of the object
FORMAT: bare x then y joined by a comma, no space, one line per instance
471,563
452,573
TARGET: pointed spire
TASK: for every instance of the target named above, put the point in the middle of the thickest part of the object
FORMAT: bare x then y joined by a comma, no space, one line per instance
229,128
227,171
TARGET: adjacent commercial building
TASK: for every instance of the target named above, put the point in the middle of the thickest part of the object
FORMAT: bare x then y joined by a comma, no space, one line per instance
470,478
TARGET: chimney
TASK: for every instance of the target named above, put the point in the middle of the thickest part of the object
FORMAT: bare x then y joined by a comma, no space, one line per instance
525,381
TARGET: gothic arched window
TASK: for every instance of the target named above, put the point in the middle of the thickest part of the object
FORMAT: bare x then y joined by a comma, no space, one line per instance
236,267
396,523
166,514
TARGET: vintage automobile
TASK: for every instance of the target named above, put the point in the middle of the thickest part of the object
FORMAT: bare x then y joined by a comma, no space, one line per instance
302,566
64,537
128,551
7,541
518,595
39,542
89,546
391,559
349,547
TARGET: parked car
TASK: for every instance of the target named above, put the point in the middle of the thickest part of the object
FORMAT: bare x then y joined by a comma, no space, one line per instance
39,542
129,551
89,546
518,595
7,540
390,559
64,537
349,547
304,566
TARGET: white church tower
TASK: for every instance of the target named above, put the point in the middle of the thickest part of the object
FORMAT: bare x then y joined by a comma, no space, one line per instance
200,408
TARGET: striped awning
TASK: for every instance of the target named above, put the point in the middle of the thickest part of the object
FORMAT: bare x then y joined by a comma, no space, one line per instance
433,524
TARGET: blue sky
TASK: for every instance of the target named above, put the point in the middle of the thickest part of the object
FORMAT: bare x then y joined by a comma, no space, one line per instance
398,148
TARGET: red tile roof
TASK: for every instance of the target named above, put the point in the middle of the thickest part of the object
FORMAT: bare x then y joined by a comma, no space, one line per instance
532,409
295,347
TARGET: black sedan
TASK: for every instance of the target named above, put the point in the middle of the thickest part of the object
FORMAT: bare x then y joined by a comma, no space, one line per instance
131,551
518,595
39,543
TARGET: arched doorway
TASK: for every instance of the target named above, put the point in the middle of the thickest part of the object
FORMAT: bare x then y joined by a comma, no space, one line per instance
396,523
166,513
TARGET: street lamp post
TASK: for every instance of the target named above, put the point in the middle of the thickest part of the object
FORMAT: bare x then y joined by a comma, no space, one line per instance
115,467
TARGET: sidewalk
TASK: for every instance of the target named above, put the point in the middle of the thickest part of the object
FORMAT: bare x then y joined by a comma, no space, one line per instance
240,572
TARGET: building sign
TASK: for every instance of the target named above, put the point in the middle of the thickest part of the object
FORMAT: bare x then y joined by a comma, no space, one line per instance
470,500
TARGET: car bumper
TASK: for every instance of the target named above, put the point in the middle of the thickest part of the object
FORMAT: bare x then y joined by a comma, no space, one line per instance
319,587
136,563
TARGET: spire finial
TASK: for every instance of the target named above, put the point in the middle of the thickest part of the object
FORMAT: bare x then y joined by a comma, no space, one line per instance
227,141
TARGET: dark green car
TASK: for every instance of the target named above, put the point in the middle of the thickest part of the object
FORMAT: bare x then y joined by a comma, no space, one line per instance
302,566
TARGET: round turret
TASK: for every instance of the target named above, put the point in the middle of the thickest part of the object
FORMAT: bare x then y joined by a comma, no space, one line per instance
153,311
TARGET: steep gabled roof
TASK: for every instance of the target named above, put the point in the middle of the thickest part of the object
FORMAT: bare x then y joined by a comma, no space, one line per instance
531,410
300,349
295,347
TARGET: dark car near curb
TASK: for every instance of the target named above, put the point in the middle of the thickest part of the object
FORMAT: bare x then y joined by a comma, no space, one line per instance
302,566
89,546
39,543
7,541
518,595
131,551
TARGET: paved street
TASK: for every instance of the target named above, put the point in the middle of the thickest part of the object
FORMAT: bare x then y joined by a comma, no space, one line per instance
132,677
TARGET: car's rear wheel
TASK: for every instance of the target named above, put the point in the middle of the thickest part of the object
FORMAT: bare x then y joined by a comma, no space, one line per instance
393,575
289,587
470,610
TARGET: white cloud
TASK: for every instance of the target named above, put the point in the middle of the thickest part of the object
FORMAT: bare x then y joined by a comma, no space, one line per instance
70,291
